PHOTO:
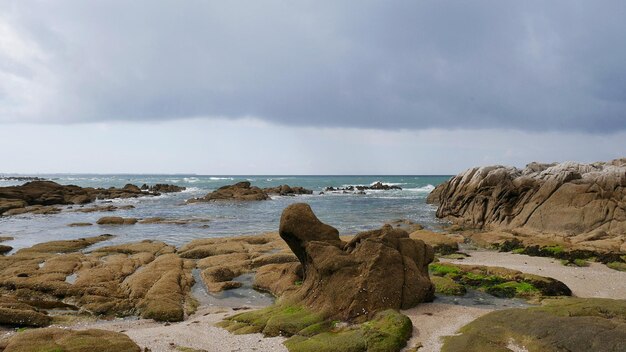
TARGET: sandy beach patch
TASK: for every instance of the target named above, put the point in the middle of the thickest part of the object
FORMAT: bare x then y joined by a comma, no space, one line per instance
197,332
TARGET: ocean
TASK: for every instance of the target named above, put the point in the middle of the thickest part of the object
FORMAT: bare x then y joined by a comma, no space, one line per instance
349,213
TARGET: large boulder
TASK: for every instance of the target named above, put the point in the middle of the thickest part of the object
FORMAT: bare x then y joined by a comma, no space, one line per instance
241,191
376,270
566,199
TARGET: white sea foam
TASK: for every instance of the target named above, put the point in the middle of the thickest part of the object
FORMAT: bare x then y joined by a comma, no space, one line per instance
425,189
220,178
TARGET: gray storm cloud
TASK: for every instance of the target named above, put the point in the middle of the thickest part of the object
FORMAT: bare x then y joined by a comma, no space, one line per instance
532,65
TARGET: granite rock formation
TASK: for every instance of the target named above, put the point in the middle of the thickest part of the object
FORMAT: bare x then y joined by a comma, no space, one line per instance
376,270
574,201
241,191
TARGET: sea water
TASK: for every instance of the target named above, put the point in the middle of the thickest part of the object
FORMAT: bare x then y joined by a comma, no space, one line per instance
348,212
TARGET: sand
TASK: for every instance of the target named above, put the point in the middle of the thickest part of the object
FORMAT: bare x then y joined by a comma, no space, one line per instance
197,332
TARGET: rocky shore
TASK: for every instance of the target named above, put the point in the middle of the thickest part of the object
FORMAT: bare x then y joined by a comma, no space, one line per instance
43,197
366,292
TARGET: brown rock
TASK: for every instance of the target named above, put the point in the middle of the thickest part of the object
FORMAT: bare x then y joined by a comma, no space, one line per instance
48,193
440,242
116,220
278,279
376,270
241,191
567,199
286,190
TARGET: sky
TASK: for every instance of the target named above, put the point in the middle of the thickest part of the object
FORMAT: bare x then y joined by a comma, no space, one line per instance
308,87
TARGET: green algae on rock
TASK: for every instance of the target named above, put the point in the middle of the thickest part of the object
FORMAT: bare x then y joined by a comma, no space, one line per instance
387,331
499,282
568,324
62,340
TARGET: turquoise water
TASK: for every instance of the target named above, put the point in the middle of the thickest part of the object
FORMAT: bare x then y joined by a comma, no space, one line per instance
350,213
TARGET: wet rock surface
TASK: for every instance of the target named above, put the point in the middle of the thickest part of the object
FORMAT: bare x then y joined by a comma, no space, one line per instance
241,191
286,190
40,196
359,188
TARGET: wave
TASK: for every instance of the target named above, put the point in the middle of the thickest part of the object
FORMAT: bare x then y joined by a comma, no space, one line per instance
220,178
426,189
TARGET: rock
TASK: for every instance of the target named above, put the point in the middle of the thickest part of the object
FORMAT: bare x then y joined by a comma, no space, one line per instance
116,220
131,188
497,281
441,243
15,313
376,270
241,191
79,224
38,196
406,225
286,190
278,278
572,324
359,189
159,220
65,246
165,188
571,200
56,339
4,249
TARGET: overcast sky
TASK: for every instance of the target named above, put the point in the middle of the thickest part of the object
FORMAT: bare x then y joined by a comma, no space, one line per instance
309,87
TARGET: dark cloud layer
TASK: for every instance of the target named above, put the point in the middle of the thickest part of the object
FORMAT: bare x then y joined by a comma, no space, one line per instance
531,65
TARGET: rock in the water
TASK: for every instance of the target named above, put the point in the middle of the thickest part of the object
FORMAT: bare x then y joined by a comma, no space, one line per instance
241,191
47,193
286,190
56,339
376,270
566,199
163,188
5,249
116,220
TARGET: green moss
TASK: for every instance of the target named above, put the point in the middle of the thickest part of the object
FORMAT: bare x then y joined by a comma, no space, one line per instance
617,266
554,250
454,256
188,349
443,269
446,286
512,289
572,324
388,331
518,251
576,262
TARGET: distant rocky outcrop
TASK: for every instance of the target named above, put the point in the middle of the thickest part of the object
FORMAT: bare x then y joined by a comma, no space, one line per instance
21,178
376,186
241,191
376,270
286,190
574,201
163,188
40,196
